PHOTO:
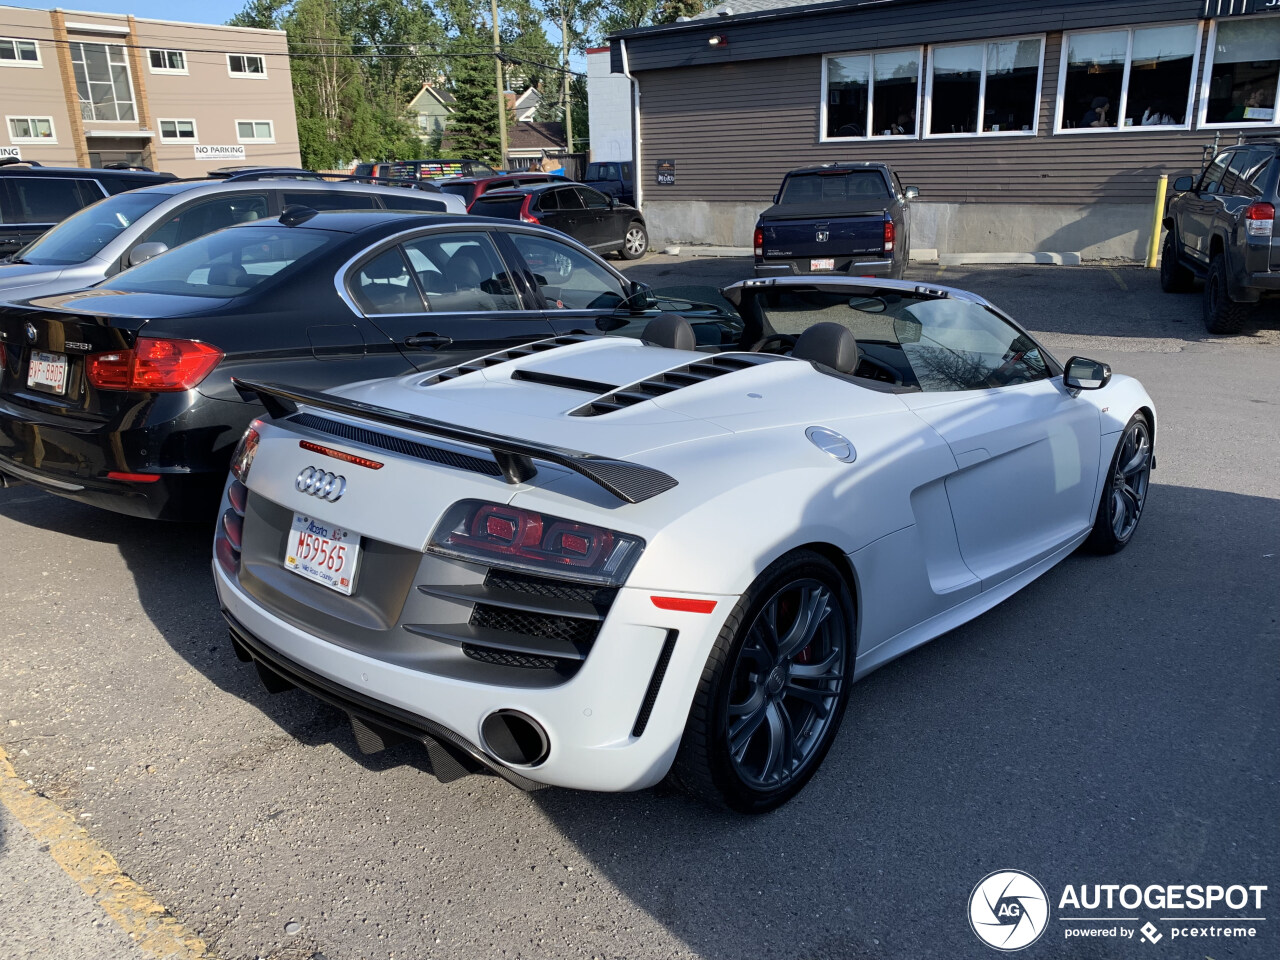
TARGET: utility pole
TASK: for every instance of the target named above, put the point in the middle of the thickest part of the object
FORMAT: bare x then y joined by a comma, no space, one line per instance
564,77
502,91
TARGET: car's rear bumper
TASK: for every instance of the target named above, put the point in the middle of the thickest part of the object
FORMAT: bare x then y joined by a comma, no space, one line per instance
844,266
171,496
644,662
1267,284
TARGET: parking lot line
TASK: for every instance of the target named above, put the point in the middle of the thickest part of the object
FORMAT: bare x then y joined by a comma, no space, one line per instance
149,925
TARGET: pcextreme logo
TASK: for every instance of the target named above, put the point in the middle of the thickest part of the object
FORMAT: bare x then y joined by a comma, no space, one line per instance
1008,910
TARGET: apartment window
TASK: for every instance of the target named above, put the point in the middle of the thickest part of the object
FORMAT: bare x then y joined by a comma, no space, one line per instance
102,82
19,53
178,131
1139,77
255,131
870,95
1242,83
31,130
168,61
246,65
980,88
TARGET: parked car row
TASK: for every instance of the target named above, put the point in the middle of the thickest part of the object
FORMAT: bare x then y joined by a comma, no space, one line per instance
478,489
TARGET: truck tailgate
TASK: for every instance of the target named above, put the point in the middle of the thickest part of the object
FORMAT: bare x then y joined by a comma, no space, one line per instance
834,237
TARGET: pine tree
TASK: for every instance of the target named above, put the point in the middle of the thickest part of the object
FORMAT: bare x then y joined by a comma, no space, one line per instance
473,127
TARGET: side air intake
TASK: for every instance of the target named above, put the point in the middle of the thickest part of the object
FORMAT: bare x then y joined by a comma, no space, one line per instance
493,359
671,380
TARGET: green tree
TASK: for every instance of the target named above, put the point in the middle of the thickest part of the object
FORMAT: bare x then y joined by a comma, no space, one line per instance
671,10
473,128
618,15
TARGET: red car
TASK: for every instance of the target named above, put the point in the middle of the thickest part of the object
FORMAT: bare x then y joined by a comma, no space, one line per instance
470,188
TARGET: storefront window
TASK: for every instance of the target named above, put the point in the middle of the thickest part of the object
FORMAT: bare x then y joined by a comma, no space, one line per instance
882,88
985,88
1128,78
1244,72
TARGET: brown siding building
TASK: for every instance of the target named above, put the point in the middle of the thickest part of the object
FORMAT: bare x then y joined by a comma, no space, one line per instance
84,89
1027,126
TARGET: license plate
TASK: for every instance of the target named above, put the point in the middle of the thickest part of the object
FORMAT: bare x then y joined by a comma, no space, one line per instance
323,553
826,263
47,371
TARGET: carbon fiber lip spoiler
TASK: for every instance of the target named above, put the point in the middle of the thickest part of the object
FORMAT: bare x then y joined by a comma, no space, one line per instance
628,481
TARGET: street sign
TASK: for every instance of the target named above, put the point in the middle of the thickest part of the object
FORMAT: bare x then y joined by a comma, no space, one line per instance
229,152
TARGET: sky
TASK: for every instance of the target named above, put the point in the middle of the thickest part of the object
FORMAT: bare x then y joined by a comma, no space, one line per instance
190,11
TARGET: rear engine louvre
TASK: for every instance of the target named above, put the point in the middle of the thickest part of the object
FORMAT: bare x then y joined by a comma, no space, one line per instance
671,380
493,359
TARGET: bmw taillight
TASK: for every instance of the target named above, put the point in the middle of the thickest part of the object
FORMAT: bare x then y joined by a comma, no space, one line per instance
890,234
246,450
757,242
1259,219
525,215
154,365
505,536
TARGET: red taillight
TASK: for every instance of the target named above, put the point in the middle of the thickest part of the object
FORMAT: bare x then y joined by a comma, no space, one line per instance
154,365
757,242
889,235
506,536
132,477
525,215
1259,219
246,450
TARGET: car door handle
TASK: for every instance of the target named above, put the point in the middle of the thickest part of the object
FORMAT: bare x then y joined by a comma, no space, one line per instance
427,342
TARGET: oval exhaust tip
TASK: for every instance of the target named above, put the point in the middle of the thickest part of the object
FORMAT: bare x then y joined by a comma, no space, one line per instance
515,738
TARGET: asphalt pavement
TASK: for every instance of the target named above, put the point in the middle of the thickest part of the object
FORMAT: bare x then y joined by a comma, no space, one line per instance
1116,722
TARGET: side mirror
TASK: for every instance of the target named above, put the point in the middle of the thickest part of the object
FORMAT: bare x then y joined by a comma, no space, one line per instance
911,192
1084,374
777,197
1183,184
612,201
145,251
642,298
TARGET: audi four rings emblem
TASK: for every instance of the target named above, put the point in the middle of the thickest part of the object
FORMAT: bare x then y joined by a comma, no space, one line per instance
319,483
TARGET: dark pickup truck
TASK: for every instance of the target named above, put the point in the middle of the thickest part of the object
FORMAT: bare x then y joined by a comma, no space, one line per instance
842,218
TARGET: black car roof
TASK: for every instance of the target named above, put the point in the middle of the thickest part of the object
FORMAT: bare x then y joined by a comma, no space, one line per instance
365,221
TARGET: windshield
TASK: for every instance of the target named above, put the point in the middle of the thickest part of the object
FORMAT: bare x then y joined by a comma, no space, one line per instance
228,263
855,186
84,234
601,171
917,342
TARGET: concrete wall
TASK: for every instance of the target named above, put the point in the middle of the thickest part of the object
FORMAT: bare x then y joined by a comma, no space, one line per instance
1095,231
608,108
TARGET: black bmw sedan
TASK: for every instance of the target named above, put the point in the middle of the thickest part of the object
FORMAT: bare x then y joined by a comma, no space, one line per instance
120,396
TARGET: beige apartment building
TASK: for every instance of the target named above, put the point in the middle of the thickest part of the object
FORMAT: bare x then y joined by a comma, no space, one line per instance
84,89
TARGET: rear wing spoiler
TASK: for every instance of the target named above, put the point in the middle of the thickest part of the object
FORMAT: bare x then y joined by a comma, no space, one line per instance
628,481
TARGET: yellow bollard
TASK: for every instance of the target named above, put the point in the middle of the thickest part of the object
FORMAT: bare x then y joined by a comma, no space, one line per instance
1161,186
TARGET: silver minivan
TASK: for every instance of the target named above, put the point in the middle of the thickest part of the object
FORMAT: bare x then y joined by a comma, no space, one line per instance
128,228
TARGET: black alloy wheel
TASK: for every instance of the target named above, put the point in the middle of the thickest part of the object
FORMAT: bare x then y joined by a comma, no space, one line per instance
1125,494
1221,313
774,689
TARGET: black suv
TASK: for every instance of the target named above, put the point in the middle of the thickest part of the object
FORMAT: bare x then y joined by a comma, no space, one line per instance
1222,228
33,198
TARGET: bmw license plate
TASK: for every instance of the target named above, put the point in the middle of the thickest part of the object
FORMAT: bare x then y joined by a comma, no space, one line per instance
47,371
826,263
323,553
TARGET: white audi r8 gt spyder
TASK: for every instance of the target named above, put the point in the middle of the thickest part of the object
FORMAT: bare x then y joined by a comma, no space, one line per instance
591,561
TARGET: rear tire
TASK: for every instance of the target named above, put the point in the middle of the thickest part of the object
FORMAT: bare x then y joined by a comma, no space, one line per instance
774,688
636,243
1222,314
1124,494
1174,277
